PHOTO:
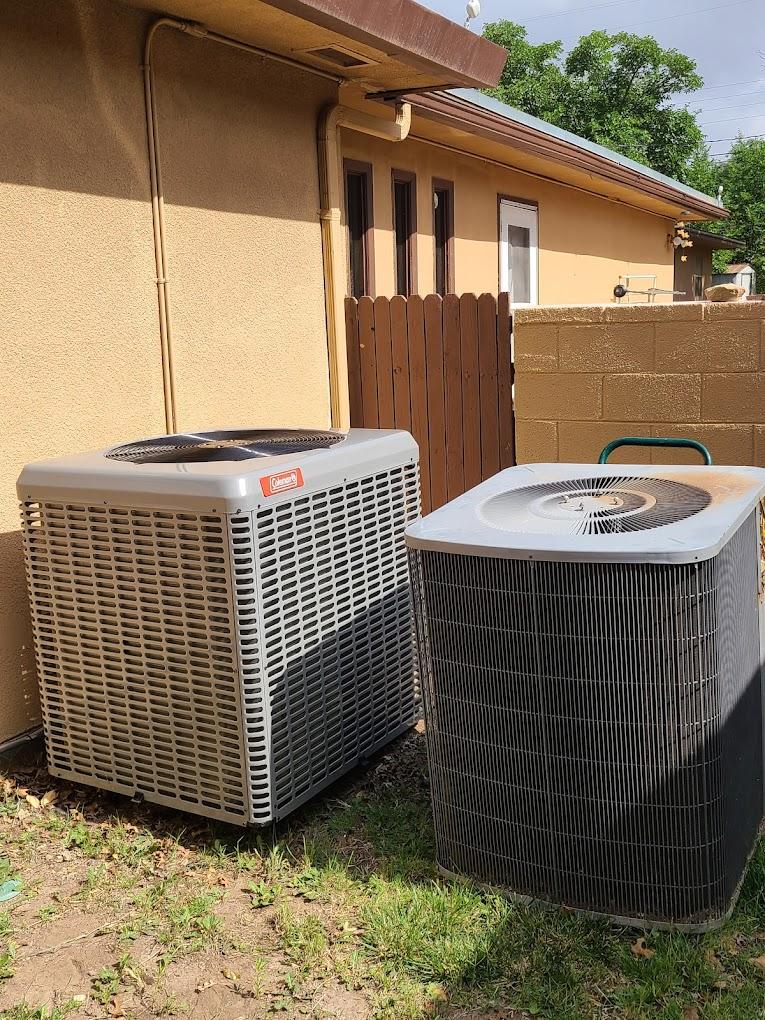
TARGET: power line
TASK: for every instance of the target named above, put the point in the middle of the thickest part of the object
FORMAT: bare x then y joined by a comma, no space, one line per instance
733,138
683,14
579,10
724,99
740,106
727,120
731,84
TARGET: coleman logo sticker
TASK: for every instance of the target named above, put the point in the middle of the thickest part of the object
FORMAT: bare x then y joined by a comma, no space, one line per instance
272,485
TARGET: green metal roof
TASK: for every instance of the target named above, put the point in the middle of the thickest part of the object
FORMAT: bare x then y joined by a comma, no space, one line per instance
509,113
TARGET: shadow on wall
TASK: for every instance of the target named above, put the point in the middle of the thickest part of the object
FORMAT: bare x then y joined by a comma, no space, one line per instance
21,707
72,80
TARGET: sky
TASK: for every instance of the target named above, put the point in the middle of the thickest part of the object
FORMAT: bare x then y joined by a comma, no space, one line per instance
726,38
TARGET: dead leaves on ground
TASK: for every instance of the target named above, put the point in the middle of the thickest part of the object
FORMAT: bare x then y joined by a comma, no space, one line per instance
639,948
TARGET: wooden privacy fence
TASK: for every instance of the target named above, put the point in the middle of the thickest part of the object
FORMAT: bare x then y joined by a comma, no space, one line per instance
441,369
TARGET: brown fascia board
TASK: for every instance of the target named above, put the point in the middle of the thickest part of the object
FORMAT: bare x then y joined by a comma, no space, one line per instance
457,113
409,33
718,241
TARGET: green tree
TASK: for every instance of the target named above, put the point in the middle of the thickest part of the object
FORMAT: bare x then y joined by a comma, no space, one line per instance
615,90
742,176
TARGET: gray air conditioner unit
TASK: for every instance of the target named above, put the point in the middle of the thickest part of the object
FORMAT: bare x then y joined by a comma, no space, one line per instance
591,654
223,621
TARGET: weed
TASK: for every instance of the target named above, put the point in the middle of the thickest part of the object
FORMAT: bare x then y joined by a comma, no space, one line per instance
304,940
263,894
23,1011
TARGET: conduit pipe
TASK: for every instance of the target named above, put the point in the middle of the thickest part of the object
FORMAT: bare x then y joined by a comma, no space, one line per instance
157,191
332,118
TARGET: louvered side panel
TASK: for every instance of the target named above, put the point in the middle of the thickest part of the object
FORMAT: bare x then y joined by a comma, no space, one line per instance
580,728
133,619
255,710
337,628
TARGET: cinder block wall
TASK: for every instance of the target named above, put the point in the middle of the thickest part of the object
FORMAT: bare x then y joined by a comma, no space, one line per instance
585,375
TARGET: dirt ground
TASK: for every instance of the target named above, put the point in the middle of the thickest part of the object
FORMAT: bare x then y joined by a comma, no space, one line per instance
134,911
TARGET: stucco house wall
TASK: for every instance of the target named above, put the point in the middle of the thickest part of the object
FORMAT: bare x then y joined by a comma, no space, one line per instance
585,243
79,349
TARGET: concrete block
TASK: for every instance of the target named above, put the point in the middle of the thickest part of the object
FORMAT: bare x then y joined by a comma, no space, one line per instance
617,347
536,347
723,346
715,311
678,311
554,396
581,442
759,445
536,441
559,313
652,397
728,444
733,397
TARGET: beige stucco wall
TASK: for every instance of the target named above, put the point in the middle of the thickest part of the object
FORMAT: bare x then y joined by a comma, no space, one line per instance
585,376
79,347
585,243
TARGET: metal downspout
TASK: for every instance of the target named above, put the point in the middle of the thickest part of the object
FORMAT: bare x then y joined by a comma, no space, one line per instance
331,119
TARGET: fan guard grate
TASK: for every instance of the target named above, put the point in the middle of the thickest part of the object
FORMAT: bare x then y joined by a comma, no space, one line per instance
595,506
226,445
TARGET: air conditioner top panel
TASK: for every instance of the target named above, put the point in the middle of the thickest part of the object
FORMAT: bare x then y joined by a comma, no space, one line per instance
219,470
605,513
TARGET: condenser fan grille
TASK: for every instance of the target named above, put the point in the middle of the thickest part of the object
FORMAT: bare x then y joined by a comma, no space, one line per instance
229,444
595,506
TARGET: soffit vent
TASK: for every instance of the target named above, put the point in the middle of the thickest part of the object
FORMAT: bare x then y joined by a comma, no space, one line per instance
226,445
594,506
338,56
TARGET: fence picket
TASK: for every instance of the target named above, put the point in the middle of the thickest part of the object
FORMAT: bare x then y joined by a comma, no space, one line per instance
367,362
400,347
354,368
488,390
455,475
418,388
434,351
471,401
384,356
505,382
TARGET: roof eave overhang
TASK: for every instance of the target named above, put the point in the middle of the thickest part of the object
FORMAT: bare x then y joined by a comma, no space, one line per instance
414,35
717,241
454,112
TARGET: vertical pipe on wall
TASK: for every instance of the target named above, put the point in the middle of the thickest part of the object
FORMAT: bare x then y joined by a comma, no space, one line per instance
158,222
332,118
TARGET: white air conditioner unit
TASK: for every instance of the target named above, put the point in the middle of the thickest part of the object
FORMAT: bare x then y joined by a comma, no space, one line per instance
223,621
591,658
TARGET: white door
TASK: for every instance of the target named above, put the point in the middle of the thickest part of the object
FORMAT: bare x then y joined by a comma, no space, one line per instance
519,252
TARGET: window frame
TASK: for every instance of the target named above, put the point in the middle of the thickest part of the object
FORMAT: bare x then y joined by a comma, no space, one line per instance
365,170
408,177
443,185
525,205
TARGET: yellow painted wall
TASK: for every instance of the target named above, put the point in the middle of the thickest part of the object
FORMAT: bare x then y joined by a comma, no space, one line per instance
585,242
79,345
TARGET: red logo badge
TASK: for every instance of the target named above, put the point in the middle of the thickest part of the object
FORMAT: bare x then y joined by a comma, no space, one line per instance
272,485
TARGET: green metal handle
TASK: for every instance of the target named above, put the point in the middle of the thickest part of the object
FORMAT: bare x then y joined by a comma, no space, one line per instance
646,441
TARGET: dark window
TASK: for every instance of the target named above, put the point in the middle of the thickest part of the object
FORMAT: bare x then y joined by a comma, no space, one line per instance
698,288
358,214
443,235
404,230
